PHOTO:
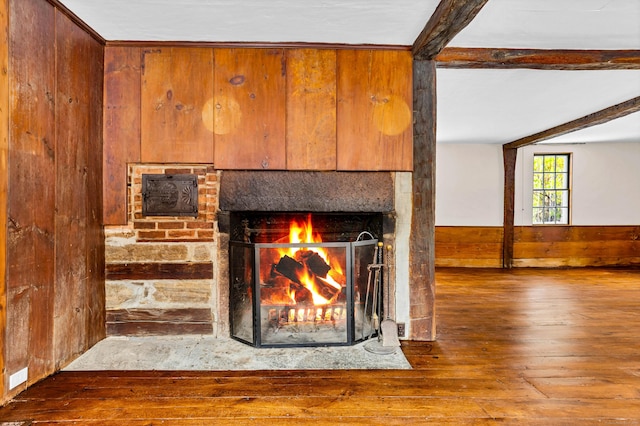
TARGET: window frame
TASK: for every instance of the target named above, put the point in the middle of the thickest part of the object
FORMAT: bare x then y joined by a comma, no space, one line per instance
568,190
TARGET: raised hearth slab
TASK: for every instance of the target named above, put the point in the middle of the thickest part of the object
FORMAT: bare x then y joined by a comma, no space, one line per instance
209,353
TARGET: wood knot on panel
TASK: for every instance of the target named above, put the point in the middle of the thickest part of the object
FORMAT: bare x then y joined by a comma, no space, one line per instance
237,80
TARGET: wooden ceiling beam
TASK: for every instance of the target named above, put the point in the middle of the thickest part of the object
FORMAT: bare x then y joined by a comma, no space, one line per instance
449,18
599,117
563,59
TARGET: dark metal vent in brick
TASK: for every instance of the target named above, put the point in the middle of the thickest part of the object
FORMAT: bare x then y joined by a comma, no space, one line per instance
169,195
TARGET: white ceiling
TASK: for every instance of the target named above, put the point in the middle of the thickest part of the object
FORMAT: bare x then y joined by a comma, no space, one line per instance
474,106
313,21
554,24
500,106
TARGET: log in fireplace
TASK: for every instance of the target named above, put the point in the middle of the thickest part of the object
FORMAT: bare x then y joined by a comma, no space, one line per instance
291,286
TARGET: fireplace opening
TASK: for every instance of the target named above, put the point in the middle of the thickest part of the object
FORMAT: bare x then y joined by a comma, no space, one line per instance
304,279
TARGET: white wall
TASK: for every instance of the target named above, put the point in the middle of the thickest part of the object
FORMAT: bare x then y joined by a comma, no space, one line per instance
605,187
469,183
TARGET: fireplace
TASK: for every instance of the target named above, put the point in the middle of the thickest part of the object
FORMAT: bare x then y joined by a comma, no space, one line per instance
304,280
266,303
177,268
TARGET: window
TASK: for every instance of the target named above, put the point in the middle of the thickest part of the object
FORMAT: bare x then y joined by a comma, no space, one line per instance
551,189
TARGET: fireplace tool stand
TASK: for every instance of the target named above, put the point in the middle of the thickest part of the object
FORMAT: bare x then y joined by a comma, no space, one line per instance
387,341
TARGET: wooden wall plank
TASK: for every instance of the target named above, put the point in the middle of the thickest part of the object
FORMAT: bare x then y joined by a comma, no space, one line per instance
4,152
249,111
576,233
556,246
471,262
464,250
468,246
95,251
539,246
468,234
374,113
177,106
159,315
31,168
159,322
121,128
72,134
154,271
55,251
79,284
576,262
311,109
582,249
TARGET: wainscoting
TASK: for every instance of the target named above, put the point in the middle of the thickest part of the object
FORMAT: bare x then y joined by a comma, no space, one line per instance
539,246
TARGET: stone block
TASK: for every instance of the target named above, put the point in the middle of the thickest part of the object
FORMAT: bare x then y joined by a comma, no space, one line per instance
121,294
147,252
187,293
200,252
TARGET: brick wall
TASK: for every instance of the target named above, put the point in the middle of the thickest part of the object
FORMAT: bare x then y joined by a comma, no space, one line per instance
160,228
161,271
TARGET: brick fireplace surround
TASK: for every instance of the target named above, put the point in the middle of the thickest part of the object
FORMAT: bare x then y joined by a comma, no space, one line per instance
169,275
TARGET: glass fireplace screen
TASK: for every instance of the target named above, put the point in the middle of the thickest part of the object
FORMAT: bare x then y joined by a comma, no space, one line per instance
303,294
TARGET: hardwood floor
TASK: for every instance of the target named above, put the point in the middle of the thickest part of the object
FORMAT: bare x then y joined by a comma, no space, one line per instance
526,346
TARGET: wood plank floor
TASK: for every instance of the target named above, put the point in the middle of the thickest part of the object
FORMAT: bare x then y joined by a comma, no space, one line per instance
526,346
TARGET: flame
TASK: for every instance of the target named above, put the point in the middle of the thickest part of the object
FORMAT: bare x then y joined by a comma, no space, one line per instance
301,233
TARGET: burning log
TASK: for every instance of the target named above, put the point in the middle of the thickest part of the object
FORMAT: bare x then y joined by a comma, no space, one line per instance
301,295
310,267
290,268
312,260
327,290
315,263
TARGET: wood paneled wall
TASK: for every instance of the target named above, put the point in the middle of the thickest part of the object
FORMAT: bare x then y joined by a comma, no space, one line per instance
121,131
375,110
469,246
311,109
31,232
55,245
557,246
539,246
249,109
4,178
254,109
175,112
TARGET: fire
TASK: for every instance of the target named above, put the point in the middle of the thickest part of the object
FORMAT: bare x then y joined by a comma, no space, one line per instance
303,233
303,265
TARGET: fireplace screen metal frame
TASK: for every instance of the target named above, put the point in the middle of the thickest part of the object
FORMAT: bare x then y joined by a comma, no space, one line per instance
246,315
